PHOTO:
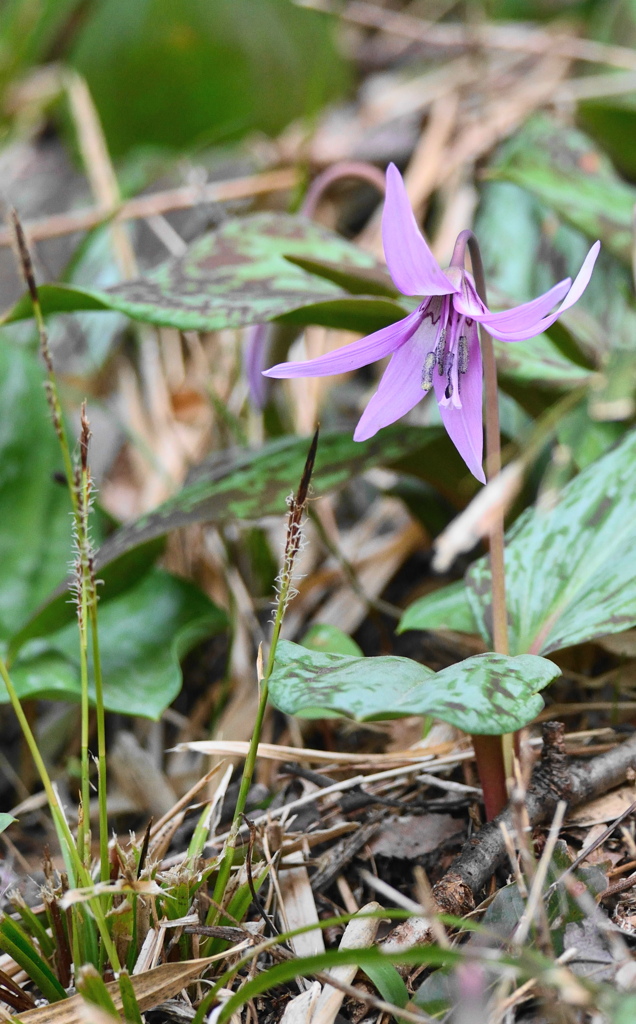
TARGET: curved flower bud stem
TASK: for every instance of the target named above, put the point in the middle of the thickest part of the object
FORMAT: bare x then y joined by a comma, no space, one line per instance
344,169
489,750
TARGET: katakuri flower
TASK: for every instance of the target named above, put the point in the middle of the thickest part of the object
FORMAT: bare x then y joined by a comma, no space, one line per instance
437,346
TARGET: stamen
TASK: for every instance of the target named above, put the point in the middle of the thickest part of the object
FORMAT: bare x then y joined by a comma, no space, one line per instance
448,393
463,354
440,351
427,372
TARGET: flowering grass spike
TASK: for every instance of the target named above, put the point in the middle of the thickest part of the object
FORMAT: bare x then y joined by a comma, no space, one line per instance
437,346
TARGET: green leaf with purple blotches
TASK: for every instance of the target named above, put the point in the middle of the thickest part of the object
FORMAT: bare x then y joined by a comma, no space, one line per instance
239,275
570,569
488,694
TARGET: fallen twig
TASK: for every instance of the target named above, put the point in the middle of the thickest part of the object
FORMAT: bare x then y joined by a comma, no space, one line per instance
555,778
157,202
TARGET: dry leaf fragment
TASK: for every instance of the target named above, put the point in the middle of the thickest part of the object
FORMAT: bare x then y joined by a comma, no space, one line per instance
151,988
360,933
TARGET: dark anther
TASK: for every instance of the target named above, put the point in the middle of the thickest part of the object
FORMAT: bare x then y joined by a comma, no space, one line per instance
463,354
427,372
440,351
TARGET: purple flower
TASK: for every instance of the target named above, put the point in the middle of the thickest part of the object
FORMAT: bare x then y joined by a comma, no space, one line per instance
437,346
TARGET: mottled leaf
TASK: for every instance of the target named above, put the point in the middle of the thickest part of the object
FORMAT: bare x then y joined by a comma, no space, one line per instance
487,694
570,569
447,608
241,484
372,280
361,313
250,484
143,634
234,276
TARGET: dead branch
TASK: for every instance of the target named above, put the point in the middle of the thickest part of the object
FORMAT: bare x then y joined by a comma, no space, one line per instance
555,778
157,202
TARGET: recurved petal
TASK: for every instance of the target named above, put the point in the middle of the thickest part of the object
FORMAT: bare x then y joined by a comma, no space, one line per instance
352,357
411,263
579,285
400,388
521,316
464,426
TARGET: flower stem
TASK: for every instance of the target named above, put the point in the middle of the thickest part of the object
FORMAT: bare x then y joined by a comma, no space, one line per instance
490,750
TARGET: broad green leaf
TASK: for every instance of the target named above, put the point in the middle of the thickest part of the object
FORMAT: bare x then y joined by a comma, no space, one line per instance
219,68
36,534
329,640
243,484
356,280
570,569
447,608
563,168
248,484
115,578
234,276
143,633
487,694
362,313
6,820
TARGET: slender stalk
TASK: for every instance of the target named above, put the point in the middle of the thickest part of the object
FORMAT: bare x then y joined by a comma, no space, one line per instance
87,610
491,752
81,567
297,507
80,491
81,875
104,871
26,266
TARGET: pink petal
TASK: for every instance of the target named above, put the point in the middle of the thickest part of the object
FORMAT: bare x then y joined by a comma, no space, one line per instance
352,357
401,386
531,330
464,426
521,316
411,263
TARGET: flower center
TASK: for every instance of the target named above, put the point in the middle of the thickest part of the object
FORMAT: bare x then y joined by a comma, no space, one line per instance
449,354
